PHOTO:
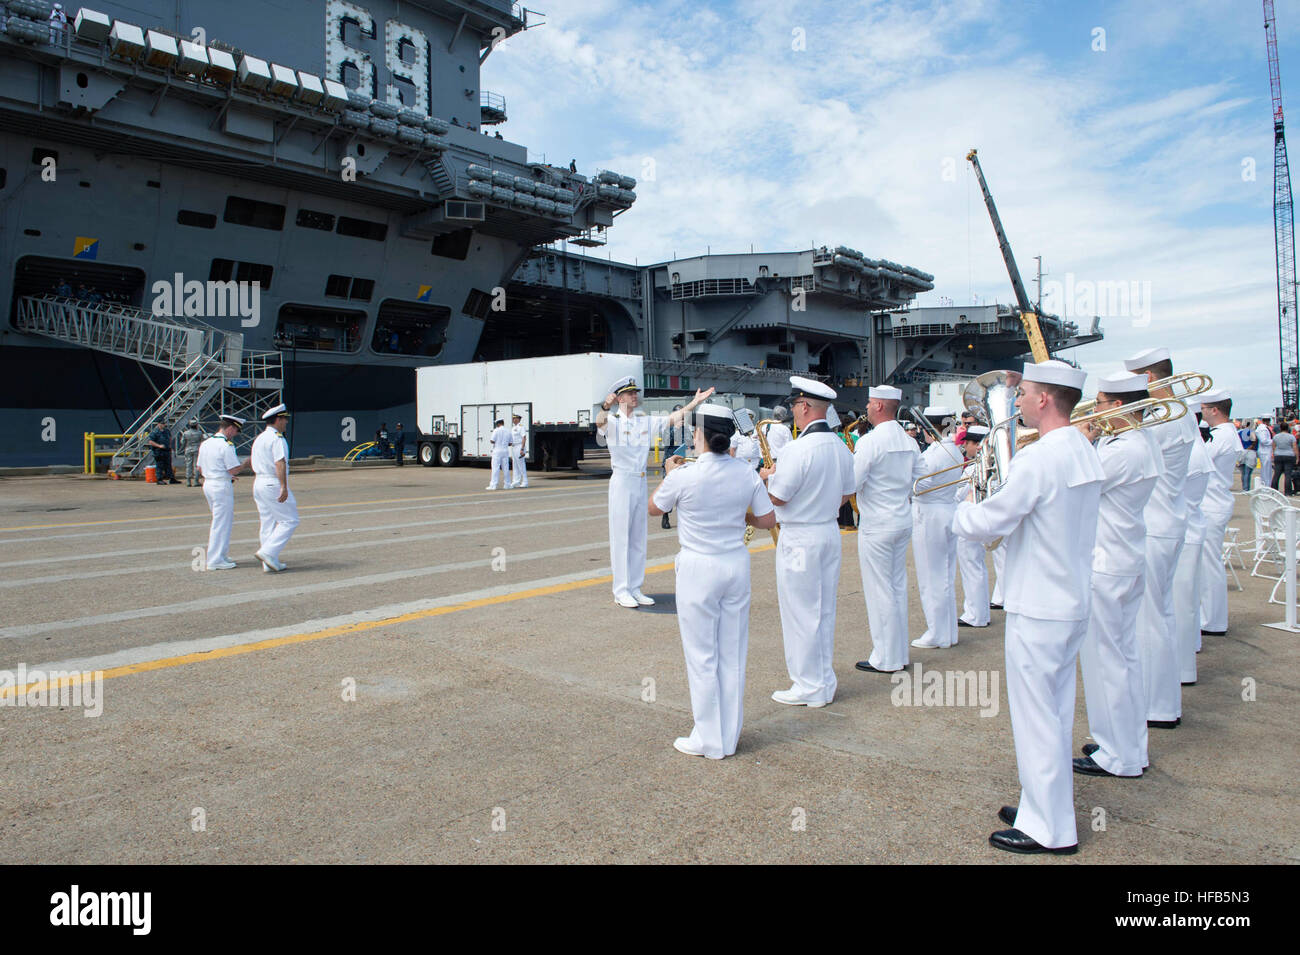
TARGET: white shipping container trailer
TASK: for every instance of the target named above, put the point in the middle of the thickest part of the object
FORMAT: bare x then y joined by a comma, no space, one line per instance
557,398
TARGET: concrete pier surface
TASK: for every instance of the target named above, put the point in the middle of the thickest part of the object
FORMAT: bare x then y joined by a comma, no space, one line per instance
442,675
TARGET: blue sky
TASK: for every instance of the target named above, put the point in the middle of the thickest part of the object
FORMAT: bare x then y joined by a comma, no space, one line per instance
1123,167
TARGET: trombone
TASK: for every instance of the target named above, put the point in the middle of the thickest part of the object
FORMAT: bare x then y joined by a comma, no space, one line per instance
1192,383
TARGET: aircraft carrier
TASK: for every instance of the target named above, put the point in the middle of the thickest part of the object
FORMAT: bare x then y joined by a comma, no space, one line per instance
212,207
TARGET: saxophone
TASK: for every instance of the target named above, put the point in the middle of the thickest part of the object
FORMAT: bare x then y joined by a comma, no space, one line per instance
767,463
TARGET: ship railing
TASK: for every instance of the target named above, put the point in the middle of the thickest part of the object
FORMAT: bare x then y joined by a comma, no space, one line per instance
194,387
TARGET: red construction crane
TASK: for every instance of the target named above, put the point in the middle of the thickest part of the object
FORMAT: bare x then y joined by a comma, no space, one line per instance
1283,230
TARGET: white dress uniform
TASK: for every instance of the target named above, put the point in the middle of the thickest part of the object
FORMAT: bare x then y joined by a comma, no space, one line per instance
519,469
778,436
278,518
629,441
1225,454
503,440
883,462
974,569
934,548
1187,575
215,459
1265,438
747,449
1108,658
711,496
1046,510
812,476
999,567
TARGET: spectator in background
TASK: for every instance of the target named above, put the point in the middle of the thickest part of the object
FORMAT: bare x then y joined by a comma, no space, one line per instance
1250,455
573,165
63,288
160,440
192,439
1284,453
381,440
58,23
399,443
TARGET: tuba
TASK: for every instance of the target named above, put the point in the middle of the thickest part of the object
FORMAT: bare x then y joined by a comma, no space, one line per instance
991,398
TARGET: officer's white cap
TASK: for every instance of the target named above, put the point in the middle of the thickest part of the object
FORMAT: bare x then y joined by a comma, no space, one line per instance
975,432
1145,359
885,393
623,386
275,412
1215,395
233,419
811,389
1055,373
938,411
1122,382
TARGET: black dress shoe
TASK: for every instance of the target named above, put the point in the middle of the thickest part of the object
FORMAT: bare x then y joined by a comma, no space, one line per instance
866,667
1087,766
1013,840
1214,633
664,523
963,623
1090,748
1164,724
1190,683
995,606
1008,815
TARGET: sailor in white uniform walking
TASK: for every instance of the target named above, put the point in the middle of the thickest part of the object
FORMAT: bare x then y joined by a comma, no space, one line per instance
812,479
1226,453
934,548
970,554
502,440
1166,526
216,465
711,496
629,437
276,504
1108,658
883,460
519,470
1046,509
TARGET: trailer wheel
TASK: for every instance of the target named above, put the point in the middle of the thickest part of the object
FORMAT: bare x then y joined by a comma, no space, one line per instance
448,454
426,454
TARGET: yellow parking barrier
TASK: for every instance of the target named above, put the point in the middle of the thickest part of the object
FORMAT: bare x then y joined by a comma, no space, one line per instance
90,455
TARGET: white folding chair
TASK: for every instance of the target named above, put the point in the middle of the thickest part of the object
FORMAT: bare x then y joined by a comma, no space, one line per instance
1262,508
1231,548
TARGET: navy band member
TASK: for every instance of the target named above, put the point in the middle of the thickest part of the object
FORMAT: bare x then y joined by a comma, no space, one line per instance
778,432
217,464
934,547
1187,573
1225,453
629,437
883,461
812,478
711,496
1046,509
1108,659
970,554
1166,526
276,504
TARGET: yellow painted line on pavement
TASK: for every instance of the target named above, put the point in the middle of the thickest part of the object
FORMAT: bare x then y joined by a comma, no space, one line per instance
166,663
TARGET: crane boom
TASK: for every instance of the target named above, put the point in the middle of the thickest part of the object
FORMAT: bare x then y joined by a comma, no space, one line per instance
1288,329
1028,317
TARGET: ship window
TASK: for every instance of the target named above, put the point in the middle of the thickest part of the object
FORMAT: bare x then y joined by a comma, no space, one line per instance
319,329
362,289
84,184
362,229
200,220
223,270
338,285
477,304
153,184
251,212
253,272
310,219
453,245
410,328
40,154
345,286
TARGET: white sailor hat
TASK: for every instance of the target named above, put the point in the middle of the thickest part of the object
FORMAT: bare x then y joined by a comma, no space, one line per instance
1055,373
885,393
1121,383
832,417
623,386
718,418
808,388
1145,359
1215,395
938,411
275,412
232,419
976,432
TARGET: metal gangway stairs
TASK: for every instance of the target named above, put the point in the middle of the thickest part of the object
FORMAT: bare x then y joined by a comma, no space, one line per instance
212,372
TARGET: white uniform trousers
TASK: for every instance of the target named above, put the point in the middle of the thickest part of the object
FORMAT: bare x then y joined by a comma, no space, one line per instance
713,617
1041,657
278,520
1112,675
1157,634
500,467
999,562
627,524
518,471
807,579
934,549
221,501
1187,606
1214,576
1265,470
882,558
974,582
